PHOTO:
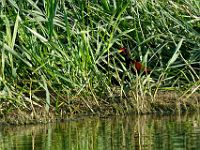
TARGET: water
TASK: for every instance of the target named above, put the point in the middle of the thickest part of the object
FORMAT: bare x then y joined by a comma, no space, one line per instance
115,133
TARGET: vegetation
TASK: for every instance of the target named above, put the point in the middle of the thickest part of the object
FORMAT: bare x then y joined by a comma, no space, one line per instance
60,56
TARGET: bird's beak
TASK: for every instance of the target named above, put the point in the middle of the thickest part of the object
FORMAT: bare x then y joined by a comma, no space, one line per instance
120,50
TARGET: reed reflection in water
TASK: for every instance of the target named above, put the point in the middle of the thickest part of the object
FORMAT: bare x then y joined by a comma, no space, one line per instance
131,132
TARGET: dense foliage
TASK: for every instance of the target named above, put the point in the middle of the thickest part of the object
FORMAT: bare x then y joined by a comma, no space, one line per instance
64,50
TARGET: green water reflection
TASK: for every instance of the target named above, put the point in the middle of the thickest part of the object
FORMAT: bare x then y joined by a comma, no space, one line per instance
134,133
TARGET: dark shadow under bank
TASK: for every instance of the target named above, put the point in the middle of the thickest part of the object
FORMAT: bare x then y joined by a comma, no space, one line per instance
165,103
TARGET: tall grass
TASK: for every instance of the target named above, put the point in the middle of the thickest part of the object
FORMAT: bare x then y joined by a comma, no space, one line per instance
61,55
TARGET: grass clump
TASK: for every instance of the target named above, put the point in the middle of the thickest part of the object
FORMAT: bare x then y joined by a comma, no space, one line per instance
61,55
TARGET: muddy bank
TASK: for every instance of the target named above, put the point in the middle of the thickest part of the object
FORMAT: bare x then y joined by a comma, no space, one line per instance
163,103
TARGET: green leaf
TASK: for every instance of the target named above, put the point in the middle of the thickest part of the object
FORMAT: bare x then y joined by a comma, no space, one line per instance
6,47
39,36
175,55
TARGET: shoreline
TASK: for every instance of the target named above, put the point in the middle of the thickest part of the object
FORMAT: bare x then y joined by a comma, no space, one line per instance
164,103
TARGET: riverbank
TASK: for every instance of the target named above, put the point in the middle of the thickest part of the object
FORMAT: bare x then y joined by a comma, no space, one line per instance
164,103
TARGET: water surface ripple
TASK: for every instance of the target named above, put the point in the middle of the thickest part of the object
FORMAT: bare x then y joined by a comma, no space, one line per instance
116,133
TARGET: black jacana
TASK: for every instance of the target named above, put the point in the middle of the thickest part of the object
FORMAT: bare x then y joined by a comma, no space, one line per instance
134,65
